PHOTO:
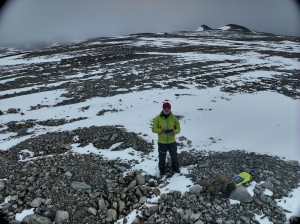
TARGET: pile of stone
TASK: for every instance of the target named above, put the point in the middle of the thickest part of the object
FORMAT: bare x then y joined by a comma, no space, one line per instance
74,188
274,179
77,188
60,142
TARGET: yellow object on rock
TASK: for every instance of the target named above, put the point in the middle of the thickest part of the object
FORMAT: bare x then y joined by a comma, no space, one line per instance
246,176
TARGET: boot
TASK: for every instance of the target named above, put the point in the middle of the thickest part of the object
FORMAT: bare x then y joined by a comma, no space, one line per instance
176,170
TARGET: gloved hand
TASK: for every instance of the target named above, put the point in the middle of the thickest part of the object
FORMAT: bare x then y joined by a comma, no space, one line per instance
168,131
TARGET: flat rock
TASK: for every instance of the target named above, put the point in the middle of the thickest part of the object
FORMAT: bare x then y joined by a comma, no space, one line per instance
80,186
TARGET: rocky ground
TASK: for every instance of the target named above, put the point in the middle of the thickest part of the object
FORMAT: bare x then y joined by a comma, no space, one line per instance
89,189
73,188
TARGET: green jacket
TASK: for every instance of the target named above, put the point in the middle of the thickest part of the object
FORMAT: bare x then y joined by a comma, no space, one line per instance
171,122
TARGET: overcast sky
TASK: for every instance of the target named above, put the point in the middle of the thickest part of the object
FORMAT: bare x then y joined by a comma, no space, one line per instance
42,20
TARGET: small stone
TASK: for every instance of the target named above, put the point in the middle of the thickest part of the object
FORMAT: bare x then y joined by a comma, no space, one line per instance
92,211
143,200
36,202
219,221
121,206
268,185
114,137
196,189
14,197
194,217
259,202
2,184
274,181
219,208
102,205
156,191
180,211
112,213
132,184
208,204
61,216
140,179
68,174
199,222
80,186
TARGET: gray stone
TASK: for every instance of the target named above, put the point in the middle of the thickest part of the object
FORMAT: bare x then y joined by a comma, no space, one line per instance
115,205
259,202
80,186
143,199
132,184
179,211
114,137
112,213
14,198
274,181
196,189
244,219
102,205
219,221
268,172
241,194
14,222
12,111
268,185
67,146
25,155
208,204
121,206
230,222
219,208
140,179
194,217
36,219
47,201
2,184
153,209
258,212
263,198
68,174
92,211
156,191
61,216
37,202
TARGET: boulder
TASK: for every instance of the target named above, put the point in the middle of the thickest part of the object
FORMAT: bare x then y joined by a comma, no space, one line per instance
241,194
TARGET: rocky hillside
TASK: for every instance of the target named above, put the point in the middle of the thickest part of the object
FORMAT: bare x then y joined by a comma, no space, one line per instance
229,27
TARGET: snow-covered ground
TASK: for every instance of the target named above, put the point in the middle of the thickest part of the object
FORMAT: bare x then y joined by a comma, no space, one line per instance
264,122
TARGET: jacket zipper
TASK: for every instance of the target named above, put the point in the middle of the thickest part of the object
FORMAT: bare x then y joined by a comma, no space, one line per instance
167,129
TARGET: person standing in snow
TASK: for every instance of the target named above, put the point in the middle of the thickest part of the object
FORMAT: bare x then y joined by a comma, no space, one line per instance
166,125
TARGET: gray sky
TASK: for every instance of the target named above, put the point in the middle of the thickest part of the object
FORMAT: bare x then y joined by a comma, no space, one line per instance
43,20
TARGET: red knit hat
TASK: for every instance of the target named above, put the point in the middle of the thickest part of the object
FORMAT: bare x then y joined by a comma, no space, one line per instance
166,105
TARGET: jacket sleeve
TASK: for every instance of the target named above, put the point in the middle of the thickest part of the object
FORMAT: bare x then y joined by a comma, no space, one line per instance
177,125
155,127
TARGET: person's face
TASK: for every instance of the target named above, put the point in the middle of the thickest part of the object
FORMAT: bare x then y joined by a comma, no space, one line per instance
166,111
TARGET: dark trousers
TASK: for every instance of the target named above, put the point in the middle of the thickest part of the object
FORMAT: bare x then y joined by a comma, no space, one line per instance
162,153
